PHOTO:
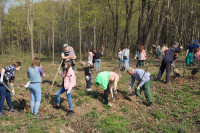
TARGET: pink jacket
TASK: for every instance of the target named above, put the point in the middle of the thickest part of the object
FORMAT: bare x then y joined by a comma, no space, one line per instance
69,80
142,55
198,55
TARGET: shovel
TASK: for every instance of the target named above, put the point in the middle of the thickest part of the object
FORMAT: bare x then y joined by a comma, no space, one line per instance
195,70
21,102
47,95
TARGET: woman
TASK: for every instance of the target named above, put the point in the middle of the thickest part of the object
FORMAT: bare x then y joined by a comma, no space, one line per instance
7,75
120,56
69,81
142,56
35,72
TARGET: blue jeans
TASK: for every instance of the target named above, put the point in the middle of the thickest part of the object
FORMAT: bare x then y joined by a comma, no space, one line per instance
69,97
98,64
5,94
35,91
120,61
126,62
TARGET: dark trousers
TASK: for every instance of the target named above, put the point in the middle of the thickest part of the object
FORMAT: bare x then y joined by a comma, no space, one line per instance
88,83
5,94
106,93
165,65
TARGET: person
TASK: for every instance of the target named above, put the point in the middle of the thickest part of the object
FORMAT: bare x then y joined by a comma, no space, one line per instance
94,57
142,56
154,50
90,56
198,54
137,57
98,56
126,56
35,72
68,54
158,51
143,84
120,57
106,79
189,54
163,49
196,46
167,61
69,81
8,75
88,76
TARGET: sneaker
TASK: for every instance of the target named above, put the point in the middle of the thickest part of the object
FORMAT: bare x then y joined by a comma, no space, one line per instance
149,104
115,91
109,104
37,115
57,107
70,112
89,89
1,115
13,111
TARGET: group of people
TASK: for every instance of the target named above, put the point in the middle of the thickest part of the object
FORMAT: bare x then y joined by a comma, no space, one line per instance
106,79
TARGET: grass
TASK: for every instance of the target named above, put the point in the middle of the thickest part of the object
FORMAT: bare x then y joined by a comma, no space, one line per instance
173,111
113,123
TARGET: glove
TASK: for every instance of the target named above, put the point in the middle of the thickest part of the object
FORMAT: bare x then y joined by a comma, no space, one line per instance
58,70
181,47
137,88
68,91
130,90
87,78
1,80
13,92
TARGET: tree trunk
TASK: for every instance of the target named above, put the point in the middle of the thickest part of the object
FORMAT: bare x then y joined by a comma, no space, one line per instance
80,35
30,26
53,44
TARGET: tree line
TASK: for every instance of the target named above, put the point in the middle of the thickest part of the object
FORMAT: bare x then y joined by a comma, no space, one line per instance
44,26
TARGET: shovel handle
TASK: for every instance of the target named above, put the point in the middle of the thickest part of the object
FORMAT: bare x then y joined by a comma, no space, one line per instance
55,78
10,91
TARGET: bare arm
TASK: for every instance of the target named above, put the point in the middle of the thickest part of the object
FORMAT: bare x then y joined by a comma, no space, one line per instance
2,73
73,57
111,92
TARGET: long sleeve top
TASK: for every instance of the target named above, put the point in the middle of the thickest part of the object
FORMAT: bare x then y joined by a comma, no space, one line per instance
138,75
169,54
142,55
90,56
69,80
126,52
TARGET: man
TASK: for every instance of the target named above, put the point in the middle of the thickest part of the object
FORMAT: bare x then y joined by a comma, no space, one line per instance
126,57
143,83
68,54
189,54
167,60
106,80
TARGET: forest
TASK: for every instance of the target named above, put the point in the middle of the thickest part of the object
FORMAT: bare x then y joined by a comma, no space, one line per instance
44,26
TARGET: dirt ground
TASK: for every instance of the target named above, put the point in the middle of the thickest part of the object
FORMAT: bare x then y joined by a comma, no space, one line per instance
169,108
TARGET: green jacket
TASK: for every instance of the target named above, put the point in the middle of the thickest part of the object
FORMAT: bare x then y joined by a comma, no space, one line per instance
102,79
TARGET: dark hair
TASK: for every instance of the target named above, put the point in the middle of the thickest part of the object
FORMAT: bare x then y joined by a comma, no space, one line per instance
68,66
36,62
17,64
119,50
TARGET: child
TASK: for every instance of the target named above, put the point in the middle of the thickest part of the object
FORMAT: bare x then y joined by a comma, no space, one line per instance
88,76
142,56
7,75
106,79
137,57
34,74
69,81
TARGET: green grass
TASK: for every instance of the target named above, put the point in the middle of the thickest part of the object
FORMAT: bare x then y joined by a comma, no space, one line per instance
158,114
113,123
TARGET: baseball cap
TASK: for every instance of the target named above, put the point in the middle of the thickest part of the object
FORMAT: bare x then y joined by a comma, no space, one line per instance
65,45
176,43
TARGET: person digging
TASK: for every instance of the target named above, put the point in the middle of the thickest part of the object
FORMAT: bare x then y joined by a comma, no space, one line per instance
143,84
106,80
